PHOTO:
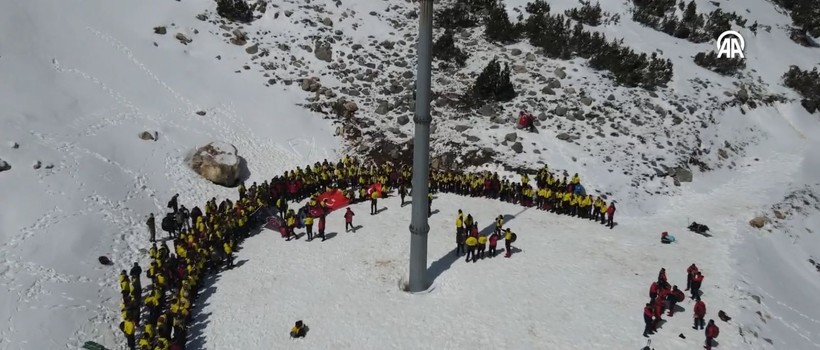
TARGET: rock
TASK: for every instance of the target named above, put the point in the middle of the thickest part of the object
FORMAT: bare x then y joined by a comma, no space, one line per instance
350,107
218,162
253,49
554,84
323,51
239,37
569,90
486,110
758,222
403,120
542,116
306,83
383,108
473,138
49,166
202,17
515,52
13,145
147,136
611,97
779,215
517,147
547,91
563,136
559,72
743,94
200,113
586,101
723,154
183,39
519,68
387,44
461,128
37,164
560,111
511,137
327,21
530,56
160,30
681,174
4,166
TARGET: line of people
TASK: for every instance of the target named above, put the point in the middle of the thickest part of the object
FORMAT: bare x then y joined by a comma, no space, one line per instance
663,296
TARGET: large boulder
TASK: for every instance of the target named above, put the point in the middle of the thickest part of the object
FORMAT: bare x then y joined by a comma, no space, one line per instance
218,162
758,222
681,174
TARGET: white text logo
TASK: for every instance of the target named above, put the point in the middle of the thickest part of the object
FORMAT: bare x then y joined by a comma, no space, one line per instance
730,44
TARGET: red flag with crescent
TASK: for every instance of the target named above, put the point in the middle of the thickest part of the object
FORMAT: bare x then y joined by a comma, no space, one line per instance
333,199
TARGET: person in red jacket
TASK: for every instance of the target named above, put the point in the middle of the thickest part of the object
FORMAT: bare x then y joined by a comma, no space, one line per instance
712,332
349,220
474,230
493,243
672,298
658,313
697,280
610,213
322,226
662,276
648,327
653,292
700,313
663,291
690,272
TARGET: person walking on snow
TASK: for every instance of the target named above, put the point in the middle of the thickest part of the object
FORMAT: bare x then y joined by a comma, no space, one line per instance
152,228
349,220
648,327
610,213
700,313
711,332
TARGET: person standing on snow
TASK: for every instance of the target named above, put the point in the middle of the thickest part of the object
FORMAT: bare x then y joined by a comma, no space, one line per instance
482,246
662,276
402,193
700,313
472,242
459,222
711,332
493,243
508,239
499,222
309,227
152,228
322,226
173,203
697,280
429,205
349,220
610,214
690,272
648,327
227,247
373,202
672,298
653,291
127,327
461,238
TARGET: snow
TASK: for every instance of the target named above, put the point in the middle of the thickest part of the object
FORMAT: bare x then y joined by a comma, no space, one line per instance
84,78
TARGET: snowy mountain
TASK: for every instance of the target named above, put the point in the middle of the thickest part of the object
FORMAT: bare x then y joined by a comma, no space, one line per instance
312,80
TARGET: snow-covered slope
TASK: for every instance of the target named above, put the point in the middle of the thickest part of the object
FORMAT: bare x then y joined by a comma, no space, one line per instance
80,81
83,79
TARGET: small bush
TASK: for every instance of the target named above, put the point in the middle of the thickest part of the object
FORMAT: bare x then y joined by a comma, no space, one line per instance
697,28
444,49
807,84
234,10
493,84
723,66
587,14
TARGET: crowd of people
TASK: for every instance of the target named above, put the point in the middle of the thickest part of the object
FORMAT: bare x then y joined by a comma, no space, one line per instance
157,316
664,297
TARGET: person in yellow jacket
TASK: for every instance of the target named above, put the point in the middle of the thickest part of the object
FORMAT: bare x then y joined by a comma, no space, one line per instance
374,196
162,343
459,222
309,226
482,246
499,222
509,237
472,242
227,247
127,328
290,222
573,205
299,330
565,205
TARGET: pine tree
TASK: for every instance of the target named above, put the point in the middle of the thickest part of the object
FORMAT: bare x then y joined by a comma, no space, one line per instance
499,28
493,84
445,49
234,10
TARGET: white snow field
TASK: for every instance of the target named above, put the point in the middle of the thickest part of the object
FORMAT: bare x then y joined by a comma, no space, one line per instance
79,81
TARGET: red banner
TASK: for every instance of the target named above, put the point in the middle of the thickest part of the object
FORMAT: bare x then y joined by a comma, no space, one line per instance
334,199
376,187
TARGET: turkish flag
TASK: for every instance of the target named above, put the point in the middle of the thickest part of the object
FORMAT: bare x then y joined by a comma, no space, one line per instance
335,199
376,187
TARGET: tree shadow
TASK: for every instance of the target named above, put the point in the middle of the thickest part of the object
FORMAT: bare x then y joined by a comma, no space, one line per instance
442,264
